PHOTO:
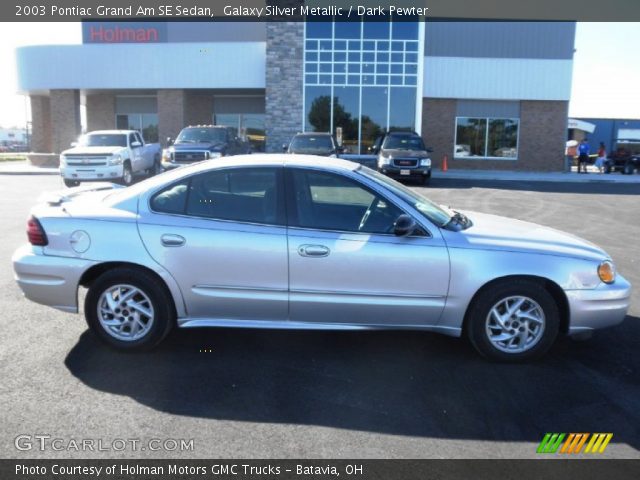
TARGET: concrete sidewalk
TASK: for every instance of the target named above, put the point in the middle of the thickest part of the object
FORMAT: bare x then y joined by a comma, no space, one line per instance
23,168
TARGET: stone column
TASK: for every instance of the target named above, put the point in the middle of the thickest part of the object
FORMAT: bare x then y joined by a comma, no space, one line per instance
199,109
283,101
65,118
40,124
101,111
543,133
171,113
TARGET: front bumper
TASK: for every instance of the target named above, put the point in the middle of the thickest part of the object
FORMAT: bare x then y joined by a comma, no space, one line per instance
49,280
601,307
109,172
397,172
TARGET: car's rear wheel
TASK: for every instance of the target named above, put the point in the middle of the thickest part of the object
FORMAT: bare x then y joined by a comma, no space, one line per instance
128,310
513,321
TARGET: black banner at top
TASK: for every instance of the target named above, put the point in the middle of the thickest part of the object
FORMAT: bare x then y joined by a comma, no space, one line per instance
299,10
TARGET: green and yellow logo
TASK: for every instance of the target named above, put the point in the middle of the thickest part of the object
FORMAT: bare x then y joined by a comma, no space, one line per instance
574,443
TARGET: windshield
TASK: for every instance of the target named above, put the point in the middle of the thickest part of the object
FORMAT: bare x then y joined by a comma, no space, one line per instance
432,211
403,142
202,135
103,140
312,142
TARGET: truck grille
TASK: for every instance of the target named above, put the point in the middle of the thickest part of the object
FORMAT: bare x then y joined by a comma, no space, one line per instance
405,162
81,160
189,156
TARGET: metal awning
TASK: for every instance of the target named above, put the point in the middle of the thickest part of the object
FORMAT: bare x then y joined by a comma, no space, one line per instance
581,125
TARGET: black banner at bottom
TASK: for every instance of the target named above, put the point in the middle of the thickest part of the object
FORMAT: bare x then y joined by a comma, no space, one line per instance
582,469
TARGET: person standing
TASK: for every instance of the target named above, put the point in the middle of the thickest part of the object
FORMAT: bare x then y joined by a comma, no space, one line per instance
583,155
602,157
570,153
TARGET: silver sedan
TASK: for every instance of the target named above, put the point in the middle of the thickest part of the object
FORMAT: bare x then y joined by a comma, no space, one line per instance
301,242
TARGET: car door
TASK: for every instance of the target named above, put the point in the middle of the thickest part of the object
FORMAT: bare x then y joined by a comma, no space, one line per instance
221,234
137,162
345,264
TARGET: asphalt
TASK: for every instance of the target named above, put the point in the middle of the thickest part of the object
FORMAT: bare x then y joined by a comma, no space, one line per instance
264,394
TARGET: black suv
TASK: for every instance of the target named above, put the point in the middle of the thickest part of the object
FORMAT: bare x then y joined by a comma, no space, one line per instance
403,155
203,142
313,143
625,158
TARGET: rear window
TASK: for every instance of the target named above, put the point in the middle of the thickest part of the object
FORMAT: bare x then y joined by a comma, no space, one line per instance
312,142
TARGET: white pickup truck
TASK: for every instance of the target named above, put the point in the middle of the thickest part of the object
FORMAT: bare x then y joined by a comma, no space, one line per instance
111,155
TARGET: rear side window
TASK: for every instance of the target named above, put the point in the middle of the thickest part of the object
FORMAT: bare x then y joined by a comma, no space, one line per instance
248,195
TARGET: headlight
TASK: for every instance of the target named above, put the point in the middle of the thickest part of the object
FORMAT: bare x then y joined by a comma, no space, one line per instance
63,161
167,153
382,161
215,154
607,272
425,162
115,159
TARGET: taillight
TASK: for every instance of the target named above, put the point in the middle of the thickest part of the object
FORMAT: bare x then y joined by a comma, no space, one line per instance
36,233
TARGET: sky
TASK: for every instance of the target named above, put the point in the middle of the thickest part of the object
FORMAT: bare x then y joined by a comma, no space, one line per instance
606,70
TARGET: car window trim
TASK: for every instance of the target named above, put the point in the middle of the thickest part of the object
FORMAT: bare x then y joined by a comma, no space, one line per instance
280,197
290,204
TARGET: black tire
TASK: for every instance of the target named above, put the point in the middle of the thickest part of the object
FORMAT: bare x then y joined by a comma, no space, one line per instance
70,183
127,174
425,180
628,169
164,316
479,311
607,168
156,169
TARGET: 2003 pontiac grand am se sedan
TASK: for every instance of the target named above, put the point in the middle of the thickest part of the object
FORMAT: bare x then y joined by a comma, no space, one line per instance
302,242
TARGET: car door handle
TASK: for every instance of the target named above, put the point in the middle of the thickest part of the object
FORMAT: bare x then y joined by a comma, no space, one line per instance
313,251
172,240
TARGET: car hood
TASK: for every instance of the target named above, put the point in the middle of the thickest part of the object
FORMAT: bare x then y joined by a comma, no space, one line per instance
93,150
199,146
405,153
502,233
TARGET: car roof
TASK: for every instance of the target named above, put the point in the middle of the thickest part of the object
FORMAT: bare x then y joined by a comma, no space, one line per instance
107,132
315,134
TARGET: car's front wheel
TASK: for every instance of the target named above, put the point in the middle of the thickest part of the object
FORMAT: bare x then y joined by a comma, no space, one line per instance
127,174
513,321
71,183
127,309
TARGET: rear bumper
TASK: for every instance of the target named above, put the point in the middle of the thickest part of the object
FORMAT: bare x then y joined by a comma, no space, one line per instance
604,306
49,280
92,173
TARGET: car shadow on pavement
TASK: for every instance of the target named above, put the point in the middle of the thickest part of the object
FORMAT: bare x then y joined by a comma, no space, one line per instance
402,383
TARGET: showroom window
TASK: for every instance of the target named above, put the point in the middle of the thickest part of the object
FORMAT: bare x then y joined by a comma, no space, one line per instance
361,79
495,138
145,123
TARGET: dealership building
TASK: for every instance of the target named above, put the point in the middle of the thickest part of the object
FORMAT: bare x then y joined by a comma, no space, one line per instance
488,95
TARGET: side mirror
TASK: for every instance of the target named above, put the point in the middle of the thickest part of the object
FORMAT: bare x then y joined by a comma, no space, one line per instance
429,150
135,144
74,144
340,149
285,147
169,141
404,226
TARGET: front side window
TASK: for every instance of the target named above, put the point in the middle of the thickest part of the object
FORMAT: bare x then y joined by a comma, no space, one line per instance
486,137
242,195
326,201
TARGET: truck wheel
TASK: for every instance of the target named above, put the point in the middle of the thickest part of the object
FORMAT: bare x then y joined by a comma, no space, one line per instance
607,168
157,167
127,174
71,183
628,169
425,179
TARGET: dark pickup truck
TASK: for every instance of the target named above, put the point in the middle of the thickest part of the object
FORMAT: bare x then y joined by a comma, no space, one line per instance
203,142
403,155
625,158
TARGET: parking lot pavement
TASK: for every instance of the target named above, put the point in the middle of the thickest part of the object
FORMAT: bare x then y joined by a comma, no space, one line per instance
327,394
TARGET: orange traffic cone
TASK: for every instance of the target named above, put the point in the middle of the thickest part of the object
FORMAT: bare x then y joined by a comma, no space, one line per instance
445,167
